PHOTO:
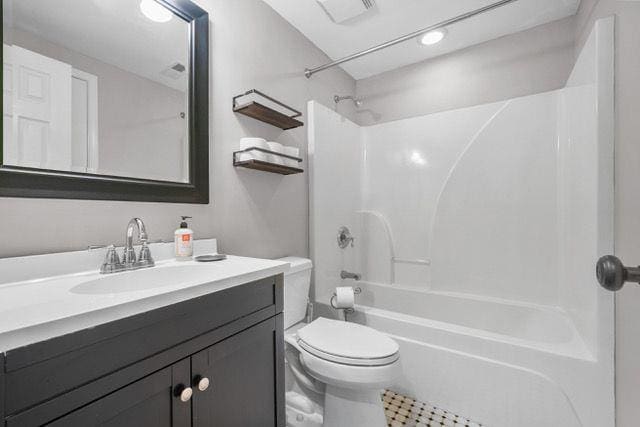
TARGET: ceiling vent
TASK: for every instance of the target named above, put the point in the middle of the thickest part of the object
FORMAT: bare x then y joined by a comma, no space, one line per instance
175,71
342,10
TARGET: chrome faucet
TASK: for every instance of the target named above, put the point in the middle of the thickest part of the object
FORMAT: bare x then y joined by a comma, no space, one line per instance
129,257
348,275
130,261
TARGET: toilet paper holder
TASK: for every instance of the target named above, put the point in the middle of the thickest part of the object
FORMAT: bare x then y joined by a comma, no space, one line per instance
356,291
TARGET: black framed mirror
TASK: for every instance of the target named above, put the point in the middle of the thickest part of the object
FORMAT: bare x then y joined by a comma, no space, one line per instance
105,100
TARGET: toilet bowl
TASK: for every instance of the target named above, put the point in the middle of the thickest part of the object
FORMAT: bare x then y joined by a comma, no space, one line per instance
352,361
355,362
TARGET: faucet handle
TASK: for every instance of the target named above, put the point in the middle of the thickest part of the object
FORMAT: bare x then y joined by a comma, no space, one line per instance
112,256
111,261
145,258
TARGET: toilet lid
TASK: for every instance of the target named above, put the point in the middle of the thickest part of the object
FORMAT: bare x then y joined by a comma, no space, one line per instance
347,343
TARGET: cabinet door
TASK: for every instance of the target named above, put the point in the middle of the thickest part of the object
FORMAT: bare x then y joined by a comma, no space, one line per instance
151,401
244,374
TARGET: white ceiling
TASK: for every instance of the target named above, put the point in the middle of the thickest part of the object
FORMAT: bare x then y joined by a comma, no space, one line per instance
394,18
112,31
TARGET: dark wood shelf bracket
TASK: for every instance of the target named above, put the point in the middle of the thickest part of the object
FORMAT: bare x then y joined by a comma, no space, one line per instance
261,111
263,165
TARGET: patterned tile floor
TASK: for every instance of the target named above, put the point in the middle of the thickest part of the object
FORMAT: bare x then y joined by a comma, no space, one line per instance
402,411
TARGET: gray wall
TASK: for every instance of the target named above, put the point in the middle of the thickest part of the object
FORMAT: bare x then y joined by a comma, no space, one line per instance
252,213
627,198
532,61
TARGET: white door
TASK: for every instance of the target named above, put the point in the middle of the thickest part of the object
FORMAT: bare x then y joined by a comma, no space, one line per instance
84,122
39,110
9,149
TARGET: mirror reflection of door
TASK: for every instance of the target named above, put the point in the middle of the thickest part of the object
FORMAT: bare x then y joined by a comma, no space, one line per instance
102,91
84,122
50,113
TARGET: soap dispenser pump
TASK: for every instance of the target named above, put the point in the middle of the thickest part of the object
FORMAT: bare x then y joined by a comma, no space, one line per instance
183,238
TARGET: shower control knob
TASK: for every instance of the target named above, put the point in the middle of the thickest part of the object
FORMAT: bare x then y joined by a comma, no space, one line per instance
344,237
612,274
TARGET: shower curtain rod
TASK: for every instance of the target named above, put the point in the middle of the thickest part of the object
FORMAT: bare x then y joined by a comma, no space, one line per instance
311,71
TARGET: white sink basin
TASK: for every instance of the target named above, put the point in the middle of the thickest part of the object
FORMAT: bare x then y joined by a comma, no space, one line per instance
45,296
138,280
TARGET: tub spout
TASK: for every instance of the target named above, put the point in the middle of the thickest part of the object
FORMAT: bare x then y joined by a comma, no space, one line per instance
347,275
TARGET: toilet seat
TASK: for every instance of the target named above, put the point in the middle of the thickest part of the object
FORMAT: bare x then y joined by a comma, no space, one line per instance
347,343
349,376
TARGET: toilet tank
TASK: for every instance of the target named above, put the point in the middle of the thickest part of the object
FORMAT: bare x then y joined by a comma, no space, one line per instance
297,282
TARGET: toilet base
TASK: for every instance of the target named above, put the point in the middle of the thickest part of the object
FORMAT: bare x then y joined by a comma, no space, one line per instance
348,408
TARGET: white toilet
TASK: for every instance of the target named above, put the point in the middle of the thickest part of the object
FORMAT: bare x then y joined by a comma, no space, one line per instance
354,362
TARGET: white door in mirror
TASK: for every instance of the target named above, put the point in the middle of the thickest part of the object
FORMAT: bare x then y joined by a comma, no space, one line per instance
37,122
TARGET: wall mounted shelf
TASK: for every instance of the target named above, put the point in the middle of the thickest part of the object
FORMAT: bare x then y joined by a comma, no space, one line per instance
264,165
262,107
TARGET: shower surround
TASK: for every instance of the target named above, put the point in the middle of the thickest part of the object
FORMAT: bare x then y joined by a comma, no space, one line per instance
476,231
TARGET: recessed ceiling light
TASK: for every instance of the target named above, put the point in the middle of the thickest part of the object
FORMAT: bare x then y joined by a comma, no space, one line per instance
418,158
155,11
432,37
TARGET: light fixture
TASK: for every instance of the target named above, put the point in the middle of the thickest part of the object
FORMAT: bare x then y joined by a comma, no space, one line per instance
155,11
432,37
417,158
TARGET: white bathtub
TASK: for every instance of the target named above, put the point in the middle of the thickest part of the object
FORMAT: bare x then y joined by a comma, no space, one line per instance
540,327
499,362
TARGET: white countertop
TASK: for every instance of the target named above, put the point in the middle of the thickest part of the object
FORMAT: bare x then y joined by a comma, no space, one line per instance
40,308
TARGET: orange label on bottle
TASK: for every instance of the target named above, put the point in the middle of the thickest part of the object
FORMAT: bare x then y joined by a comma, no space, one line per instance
186,237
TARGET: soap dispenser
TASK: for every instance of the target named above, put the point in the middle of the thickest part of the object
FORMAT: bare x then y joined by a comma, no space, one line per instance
183,238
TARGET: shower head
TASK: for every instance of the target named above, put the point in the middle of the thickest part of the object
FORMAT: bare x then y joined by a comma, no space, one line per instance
357,102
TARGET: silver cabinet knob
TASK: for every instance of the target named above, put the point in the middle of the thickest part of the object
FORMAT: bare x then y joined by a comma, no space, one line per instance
185,395
203,384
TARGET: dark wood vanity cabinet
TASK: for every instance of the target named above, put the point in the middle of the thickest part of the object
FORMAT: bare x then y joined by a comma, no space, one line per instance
150,401
242,392
105,382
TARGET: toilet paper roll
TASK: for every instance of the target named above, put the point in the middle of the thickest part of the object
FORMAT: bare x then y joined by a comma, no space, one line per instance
291,151
255,154
273,158
345,297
